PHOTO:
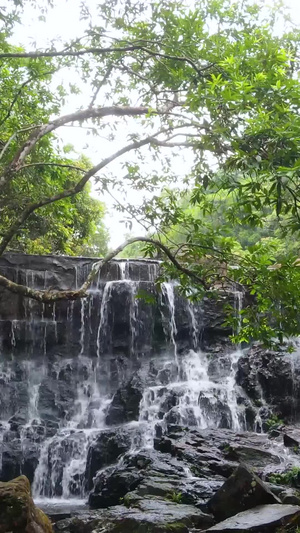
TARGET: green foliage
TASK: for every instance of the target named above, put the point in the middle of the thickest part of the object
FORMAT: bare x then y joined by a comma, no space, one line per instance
126,501
72,225
291,477
146,297
175,497
175,527
227,449
296,449
274,422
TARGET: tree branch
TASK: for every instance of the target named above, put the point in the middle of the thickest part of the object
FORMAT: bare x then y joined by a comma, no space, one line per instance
98,112
70,192
167,144
104,79
13,136
55,295
71,167
103,51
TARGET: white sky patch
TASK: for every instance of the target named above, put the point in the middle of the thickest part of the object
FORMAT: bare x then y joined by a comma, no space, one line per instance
62,24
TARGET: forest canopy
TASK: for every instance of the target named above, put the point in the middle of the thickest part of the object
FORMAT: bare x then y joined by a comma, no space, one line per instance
217,80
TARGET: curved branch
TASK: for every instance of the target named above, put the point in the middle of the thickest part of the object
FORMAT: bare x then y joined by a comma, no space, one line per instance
71,167
55,295
98,112
70,192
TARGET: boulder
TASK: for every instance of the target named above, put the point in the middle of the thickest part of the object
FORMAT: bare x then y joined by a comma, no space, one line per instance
18,514
290,496
261,519
148,472
111,487
242,490
125,403
109,445
291,438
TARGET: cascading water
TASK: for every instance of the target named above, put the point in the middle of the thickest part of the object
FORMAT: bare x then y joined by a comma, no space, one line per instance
64,369
192,396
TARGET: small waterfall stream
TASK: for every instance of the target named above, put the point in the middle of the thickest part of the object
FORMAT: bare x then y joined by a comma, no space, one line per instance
63,364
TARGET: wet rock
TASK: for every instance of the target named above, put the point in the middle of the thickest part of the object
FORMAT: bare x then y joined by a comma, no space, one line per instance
18,514
252,456
57,510
30,461
111,487
291,437
261,519
276,489
125,403
109,445
147,515
218,411
290,496
197,449
163,488
148,473
271,374
11,456
18,419
242,490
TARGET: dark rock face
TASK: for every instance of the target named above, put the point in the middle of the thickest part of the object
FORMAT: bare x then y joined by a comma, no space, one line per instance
106,450
111,487
47,330
241,491
210,458
192,473
273,375
125,405
291,437
290,497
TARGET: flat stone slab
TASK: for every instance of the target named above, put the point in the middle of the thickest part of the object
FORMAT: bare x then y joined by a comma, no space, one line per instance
153,515
262,519
58,509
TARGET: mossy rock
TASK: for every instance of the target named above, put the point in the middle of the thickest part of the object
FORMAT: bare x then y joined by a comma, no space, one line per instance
18,513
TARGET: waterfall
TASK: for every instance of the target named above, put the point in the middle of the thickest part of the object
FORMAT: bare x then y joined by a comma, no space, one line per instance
103,322
167,289
65,366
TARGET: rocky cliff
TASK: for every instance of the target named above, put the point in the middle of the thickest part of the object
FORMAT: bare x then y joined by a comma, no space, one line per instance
84,382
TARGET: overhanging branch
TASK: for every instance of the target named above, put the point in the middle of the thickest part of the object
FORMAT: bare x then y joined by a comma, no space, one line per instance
39,132
104,51
7,237
50,296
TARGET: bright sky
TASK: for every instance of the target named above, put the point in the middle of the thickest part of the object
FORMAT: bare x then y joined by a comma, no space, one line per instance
62,24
